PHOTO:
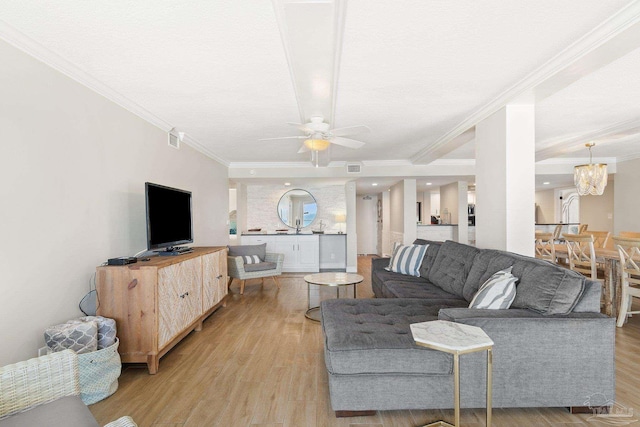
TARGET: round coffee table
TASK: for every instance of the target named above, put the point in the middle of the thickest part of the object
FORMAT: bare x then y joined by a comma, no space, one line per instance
328,279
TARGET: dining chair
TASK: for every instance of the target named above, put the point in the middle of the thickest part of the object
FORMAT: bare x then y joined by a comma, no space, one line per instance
545,247
600,238
582,259
632,234
582,228
629,251
581,253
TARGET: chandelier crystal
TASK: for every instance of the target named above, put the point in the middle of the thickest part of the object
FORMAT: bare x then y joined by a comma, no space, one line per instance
590,178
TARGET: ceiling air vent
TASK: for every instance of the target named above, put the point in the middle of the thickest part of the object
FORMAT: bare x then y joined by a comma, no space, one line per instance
353,169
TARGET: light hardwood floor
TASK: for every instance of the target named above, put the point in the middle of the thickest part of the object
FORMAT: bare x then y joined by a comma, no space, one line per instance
259,362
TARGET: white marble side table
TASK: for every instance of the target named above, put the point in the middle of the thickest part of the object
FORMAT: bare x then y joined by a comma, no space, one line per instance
456,339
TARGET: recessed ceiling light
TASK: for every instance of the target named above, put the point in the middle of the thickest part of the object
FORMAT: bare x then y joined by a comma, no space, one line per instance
429,183
286,184
374,184
546,183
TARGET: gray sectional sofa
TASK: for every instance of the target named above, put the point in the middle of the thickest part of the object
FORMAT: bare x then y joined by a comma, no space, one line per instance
552,348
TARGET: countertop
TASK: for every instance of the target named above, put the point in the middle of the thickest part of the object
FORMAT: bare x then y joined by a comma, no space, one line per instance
292,234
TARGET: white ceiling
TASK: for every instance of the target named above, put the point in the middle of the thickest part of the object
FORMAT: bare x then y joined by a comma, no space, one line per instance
417,73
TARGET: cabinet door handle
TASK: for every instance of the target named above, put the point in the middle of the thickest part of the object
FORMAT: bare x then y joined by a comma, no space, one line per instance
219,276
186,294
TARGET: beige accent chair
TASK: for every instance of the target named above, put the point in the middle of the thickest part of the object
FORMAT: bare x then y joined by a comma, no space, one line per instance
237,269
36,391
629,250
545,247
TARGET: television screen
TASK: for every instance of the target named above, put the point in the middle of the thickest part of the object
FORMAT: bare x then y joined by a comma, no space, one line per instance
168,216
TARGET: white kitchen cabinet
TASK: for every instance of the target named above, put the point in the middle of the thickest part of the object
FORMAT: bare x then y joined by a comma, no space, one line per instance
301,252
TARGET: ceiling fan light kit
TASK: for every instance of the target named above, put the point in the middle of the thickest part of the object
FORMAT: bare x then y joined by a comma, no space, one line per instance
319,136
317,144
590,178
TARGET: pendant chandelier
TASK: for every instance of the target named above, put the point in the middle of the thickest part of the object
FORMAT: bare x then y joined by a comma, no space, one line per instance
590,178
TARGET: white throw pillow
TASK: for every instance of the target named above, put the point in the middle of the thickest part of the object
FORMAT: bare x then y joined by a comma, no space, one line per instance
407,259
497,293
251,259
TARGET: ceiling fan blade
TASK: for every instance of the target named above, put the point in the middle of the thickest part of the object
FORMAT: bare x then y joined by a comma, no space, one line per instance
302,127
351,130
303,149
346,142
282,137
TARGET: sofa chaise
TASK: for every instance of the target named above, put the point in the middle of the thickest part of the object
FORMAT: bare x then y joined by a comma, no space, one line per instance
552,347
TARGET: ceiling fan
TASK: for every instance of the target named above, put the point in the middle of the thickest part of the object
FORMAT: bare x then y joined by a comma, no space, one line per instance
318,135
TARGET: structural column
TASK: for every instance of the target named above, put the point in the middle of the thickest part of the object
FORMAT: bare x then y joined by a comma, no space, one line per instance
410,217
352,236
463,212
505,180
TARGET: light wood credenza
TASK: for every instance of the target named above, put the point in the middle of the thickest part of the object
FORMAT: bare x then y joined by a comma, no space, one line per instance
157,303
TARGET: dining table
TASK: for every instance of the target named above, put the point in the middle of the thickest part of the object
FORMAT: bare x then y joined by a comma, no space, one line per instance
610,259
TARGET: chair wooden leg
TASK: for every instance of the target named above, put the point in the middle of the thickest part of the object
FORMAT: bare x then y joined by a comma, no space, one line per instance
624,307
242,287
262,281
229,283
276,281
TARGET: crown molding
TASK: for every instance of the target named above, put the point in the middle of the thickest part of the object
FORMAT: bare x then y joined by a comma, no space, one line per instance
198,146
628,157
57,62
576,161
616,25
377,163
454,162
269,165
616,132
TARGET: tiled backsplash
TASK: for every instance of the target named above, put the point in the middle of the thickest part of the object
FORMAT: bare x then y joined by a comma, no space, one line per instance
262,202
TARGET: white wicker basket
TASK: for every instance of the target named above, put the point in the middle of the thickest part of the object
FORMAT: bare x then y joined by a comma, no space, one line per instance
99,373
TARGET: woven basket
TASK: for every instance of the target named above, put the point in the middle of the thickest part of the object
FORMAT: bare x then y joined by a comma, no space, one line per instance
99,372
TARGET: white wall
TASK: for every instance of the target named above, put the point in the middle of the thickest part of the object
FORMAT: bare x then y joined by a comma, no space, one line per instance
72,176
545,207
626,200
449,202
262,202
597,211
367,225
396,204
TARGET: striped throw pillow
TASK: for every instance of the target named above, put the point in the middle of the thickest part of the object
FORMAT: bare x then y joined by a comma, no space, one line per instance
251,259
497,293
407,259
395,247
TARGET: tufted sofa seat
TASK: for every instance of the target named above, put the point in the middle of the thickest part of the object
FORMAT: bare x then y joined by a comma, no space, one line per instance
371,336
552,348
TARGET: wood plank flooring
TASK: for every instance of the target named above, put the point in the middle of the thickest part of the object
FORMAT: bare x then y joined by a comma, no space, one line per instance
259,362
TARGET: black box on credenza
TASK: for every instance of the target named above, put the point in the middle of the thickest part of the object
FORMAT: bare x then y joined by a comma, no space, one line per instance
122,260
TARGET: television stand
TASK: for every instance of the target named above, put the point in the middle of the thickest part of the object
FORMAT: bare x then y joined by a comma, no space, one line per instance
175,250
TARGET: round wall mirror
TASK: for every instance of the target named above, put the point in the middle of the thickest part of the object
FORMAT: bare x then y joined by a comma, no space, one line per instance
297,208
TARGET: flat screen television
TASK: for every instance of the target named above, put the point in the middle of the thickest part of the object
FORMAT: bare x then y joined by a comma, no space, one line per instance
169,220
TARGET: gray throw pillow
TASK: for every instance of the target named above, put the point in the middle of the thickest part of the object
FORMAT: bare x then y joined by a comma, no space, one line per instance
249,250
106,329
80,337
547,288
